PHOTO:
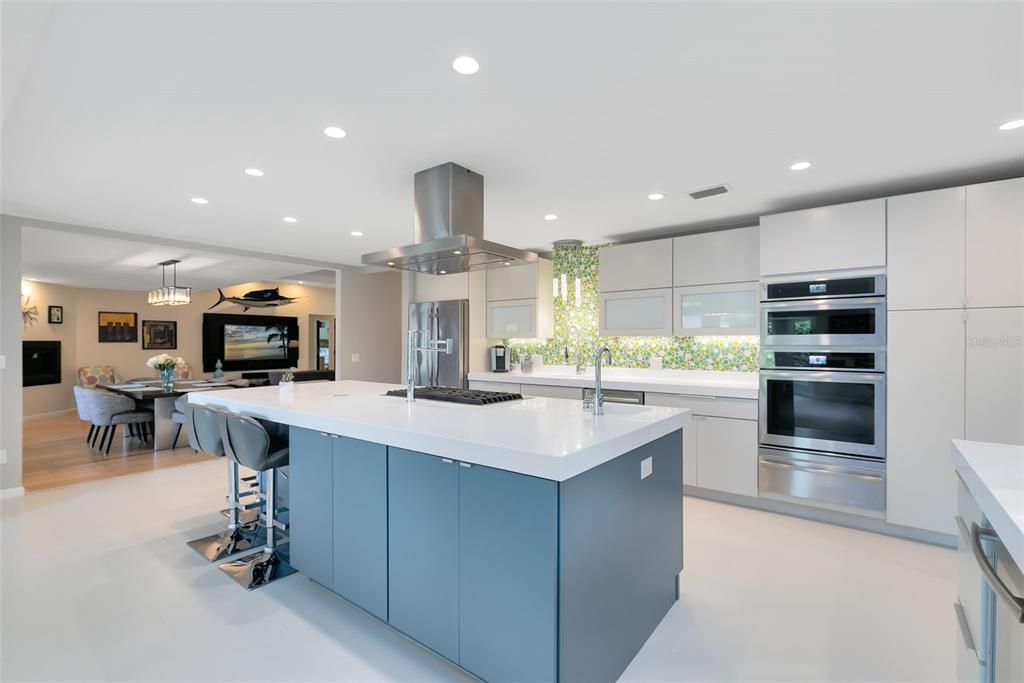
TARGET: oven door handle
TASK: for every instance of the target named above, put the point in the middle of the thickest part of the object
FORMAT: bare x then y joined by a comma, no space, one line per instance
973,538
821,470
844,376
823,304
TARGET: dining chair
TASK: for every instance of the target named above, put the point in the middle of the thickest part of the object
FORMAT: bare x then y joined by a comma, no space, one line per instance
96,375
108,410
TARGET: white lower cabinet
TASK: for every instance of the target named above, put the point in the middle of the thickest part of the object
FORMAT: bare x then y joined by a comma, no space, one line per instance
720,448
995,375
726,454
638,313
924,412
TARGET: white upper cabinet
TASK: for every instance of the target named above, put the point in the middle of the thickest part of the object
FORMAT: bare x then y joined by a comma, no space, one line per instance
715,257
926,250
924,412
641,265
531,281
995,243
995,375
844,236
716,309
637,313
520,301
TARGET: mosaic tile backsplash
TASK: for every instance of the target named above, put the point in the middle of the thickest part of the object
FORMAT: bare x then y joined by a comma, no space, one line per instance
737,353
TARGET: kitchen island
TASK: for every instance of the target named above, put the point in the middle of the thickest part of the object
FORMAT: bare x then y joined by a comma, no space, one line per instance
528,540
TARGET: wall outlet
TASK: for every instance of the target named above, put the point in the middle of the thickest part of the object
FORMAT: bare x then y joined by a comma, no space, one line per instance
3,362
646,467
3,456
355,357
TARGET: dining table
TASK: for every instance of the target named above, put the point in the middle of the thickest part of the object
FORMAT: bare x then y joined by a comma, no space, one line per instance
151,394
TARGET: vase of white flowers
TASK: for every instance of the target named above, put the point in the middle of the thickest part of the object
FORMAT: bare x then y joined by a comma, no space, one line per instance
287,382
165,365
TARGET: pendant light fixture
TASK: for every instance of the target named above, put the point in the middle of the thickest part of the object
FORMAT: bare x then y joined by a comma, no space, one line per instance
172,295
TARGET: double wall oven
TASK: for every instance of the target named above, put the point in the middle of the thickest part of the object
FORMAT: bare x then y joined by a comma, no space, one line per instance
822,395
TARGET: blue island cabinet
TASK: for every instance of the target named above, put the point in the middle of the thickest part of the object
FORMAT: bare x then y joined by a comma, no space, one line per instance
473,564
338,507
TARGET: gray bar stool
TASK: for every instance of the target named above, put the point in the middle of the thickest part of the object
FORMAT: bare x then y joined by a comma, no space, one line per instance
203,430
248,442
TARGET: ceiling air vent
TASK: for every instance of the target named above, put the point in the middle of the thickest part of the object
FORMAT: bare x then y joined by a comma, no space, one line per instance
710,192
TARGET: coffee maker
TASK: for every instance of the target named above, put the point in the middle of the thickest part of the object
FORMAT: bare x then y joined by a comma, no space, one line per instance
501,358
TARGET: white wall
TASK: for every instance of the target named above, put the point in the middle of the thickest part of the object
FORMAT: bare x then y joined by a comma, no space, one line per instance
10,348
370,326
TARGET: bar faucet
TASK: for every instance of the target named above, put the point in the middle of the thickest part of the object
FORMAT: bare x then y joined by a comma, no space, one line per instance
580,367
597,403
435,346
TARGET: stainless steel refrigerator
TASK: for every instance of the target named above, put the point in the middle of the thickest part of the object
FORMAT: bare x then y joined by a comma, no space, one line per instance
442,320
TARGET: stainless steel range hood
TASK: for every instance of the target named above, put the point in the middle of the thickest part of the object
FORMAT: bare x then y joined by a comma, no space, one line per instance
449,228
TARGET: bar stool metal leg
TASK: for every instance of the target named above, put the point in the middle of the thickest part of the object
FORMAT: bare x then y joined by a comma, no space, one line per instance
259,569
236,537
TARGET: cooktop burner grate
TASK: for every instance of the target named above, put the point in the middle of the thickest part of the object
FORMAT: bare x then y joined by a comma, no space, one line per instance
453,395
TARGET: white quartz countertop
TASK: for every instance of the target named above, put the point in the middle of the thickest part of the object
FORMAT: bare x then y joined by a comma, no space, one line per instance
697,382
542,437
994,474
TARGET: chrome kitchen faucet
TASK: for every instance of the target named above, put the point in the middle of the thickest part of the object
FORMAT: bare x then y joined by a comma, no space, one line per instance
429,346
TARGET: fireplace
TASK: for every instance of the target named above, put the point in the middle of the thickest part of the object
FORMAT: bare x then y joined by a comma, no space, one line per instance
40,363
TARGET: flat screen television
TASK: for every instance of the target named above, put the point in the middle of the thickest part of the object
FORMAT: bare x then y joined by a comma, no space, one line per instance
40,363
250,342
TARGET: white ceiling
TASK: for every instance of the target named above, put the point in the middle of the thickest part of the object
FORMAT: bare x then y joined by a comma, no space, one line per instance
88,261
115,114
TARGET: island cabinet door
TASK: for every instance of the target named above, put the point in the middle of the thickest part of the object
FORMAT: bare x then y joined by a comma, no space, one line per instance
361,523
311,499
508,575
423,549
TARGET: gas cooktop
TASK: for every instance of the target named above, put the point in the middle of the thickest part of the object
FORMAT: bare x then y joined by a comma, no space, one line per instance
452,395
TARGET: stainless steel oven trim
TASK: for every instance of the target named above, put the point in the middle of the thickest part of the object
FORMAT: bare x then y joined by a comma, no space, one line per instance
879,288
765,350
876,450
843,340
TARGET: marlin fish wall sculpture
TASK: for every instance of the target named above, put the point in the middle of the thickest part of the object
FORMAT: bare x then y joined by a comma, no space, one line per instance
257,298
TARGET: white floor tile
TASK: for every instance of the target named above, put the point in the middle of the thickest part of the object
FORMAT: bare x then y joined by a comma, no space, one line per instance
96,583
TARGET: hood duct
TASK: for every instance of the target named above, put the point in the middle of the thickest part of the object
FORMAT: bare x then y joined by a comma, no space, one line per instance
449,228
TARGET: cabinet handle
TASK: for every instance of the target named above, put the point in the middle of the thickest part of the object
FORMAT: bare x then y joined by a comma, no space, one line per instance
965,630
696,396
465,464
447,461
973,539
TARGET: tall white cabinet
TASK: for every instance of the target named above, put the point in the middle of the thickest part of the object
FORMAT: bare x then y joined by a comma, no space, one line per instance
635,282
925,399
955,338
520,301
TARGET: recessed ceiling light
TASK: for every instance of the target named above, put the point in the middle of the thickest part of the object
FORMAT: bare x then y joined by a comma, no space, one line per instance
253,172
551,217
508,263
200,200
655,196
300,282
391,263
356,233
457,252
290,219
466,65
334,132
800,166
1010,125
444,272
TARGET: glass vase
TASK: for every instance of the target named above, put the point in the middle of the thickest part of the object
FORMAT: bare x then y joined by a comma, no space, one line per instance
167,379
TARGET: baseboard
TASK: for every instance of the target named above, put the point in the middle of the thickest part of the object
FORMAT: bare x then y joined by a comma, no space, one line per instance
41,416
843,519
15,492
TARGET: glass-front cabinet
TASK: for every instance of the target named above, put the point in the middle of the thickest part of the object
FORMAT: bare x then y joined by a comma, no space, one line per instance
637,313
716,309
515,318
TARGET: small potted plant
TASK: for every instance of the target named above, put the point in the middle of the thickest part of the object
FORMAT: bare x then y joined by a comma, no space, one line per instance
287,382
165,365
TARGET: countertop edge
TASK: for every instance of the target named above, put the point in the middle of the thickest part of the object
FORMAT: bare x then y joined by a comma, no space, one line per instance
666,386
1009,532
